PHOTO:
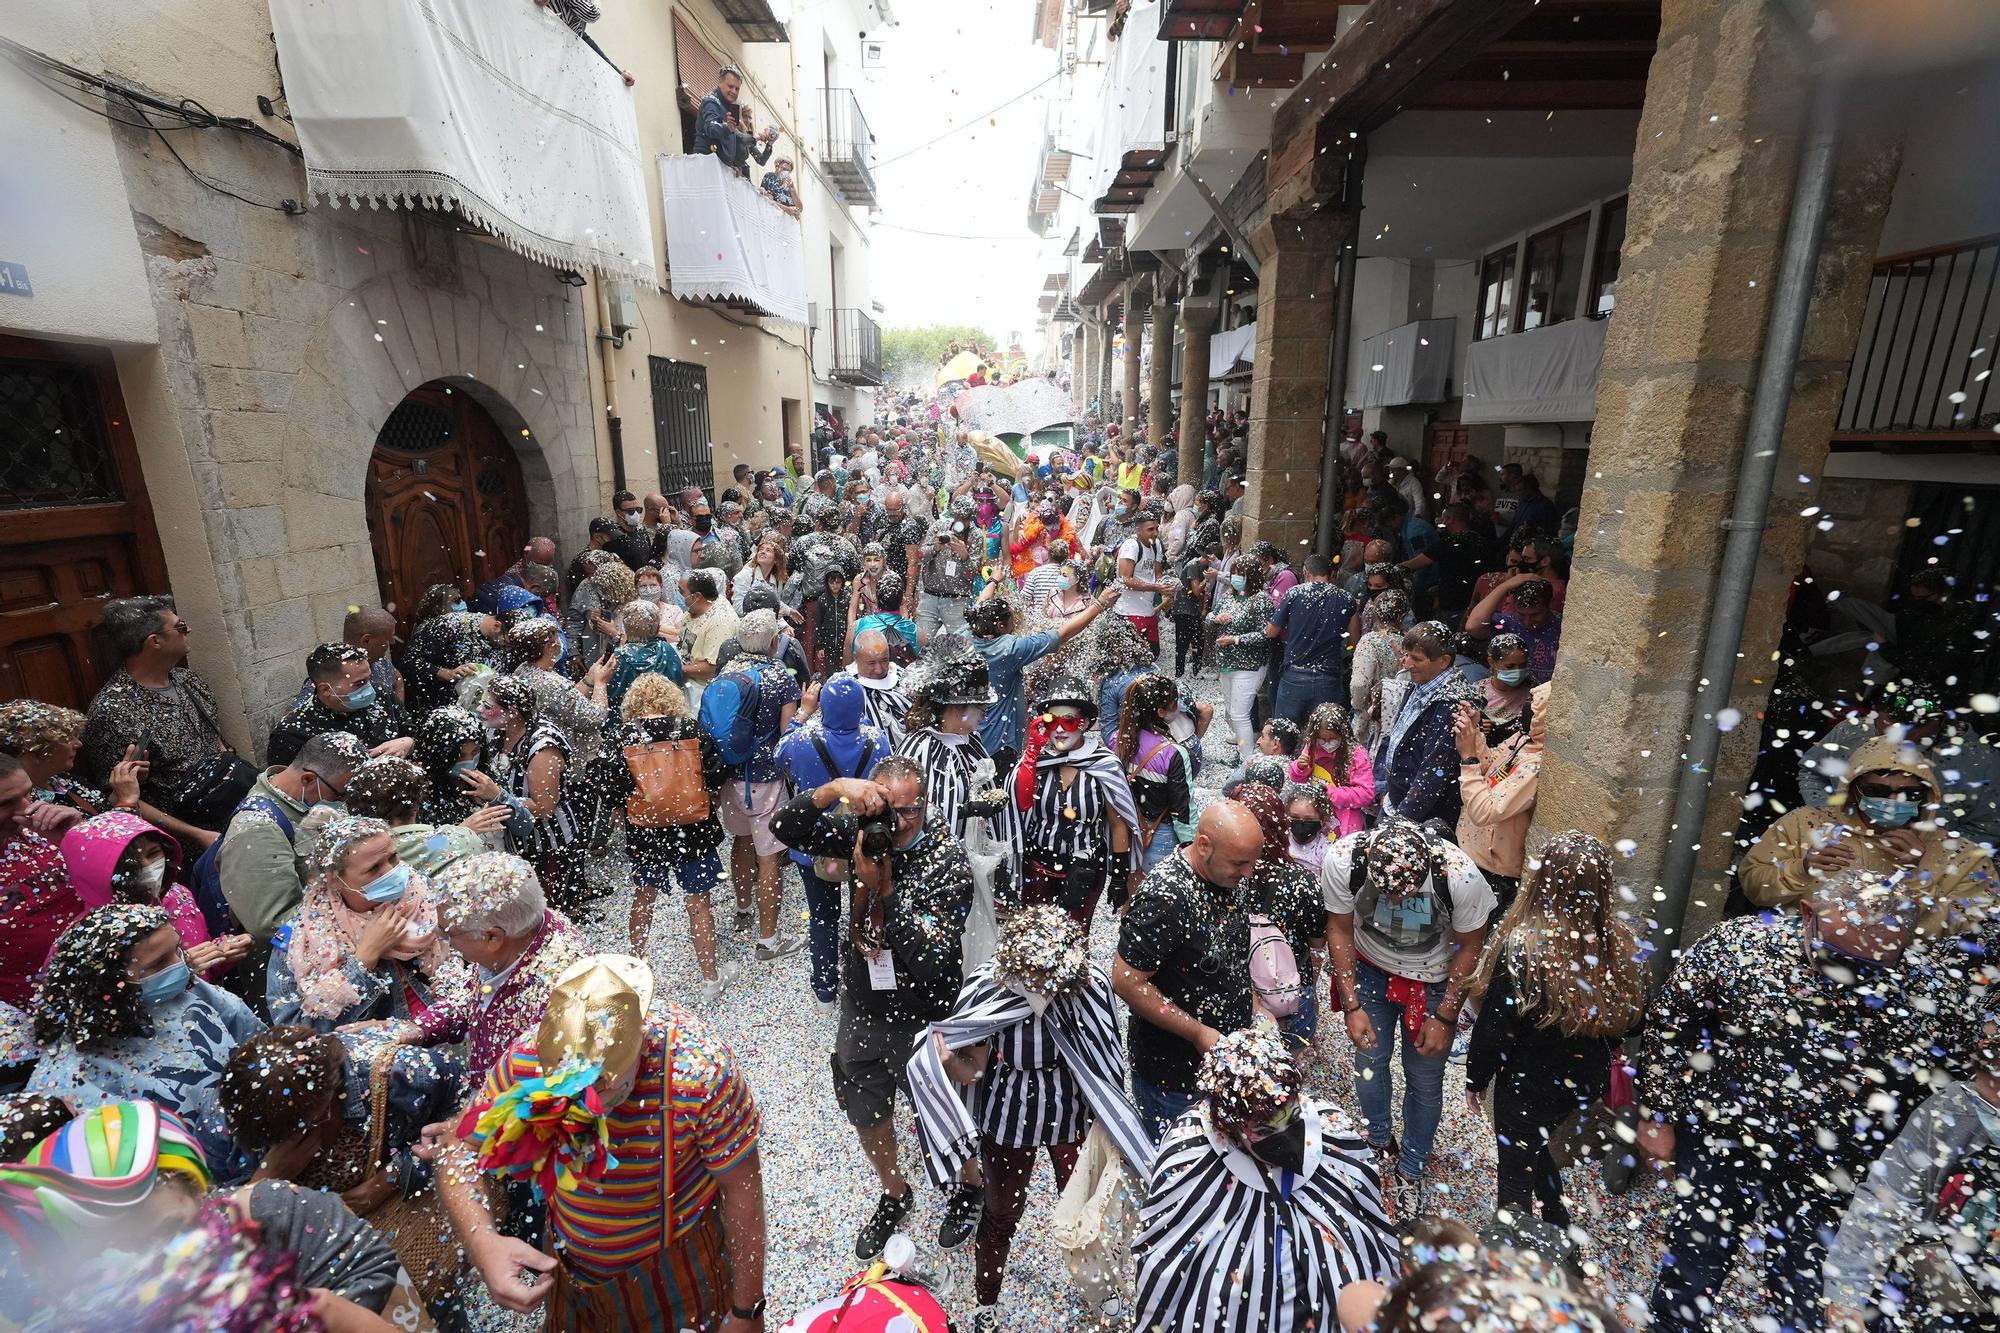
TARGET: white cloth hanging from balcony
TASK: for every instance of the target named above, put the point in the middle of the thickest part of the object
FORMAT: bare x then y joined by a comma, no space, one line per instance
495,110
1231,350
1545,374
725,241
1410,363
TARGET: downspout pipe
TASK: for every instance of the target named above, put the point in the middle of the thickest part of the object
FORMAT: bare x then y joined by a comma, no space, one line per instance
1326,540
606,341
1812,194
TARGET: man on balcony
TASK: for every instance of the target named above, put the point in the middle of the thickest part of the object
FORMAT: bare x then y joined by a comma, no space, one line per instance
718,127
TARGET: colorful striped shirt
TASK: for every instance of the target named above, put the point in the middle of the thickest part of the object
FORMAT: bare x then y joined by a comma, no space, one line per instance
608,1225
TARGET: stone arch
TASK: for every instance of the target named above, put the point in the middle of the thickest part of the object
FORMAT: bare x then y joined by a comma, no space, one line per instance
509,334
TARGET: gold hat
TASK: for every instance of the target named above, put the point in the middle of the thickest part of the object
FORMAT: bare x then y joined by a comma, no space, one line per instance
597,1011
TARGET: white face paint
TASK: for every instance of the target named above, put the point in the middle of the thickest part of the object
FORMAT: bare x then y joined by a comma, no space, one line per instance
1066,741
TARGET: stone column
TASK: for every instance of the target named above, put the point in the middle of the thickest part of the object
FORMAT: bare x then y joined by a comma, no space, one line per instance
1160,383
1712,179
1295,309
1197,323
1086,363
1133,327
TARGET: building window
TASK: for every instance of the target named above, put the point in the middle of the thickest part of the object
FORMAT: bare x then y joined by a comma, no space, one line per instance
59,452
1553,273
1496,294
1610,243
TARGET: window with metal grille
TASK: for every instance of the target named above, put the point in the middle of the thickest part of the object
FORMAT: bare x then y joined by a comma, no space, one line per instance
680,424
53,450
415,428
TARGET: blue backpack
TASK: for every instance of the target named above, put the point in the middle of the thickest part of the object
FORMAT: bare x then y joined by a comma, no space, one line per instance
729,708
205,879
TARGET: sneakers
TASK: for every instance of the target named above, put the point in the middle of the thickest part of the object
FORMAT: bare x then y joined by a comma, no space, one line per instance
962,1208
889,1214
826,1008
1406,1196
986,1319
745,920
782,947
708,992
1386,1157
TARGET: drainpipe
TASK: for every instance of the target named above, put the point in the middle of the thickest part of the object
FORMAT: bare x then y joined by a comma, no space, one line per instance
606,341
1812,193
1326,540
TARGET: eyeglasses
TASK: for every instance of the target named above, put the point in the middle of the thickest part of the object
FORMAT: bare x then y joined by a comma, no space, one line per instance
907,811
1883,791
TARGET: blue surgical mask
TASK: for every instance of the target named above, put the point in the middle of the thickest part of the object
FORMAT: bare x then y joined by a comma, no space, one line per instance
1237,583
1068,582
361,698
164,986
389,888
466,766
460,606
1889,812
1511,676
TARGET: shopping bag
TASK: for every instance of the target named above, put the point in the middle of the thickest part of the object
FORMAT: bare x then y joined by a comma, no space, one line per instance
1094,1222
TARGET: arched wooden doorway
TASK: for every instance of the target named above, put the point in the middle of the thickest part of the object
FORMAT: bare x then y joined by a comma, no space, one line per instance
445,499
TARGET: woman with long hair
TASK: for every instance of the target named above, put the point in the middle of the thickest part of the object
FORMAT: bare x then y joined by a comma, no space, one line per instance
766,569
1156,767
1242,652
578,709
1559,987
1377,657
1330,757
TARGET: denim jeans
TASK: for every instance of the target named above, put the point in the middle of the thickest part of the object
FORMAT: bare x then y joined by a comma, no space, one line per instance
1159,1107
1160,848
1300,691
1733,1196
935,613
823,933
1423,1075
1302,1027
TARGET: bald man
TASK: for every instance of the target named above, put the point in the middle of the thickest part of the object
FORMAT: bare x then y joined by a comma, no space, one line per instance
373,631
881,683
1183,964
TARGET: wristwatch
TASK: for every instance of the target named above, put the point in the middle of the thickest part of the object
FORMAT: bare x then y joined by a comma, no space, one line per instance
754,1312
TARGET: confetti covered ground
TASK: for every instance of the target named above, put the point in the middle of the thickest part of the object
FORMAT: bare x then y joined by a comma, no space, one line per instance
819,1190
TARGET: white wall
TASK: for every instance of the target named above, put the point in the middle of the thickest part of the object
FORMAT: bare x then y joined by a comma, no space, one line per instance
1948,189
64,213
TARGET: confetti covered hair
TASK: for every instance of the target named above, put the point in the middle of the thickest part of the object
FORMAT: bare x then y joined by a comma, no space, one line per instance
388,788
1386,611
1265,803
28,726
490,889
1492,1291
1043,949
531,639
1574,964
441,735
1398,858
1247,1077
653,695
337,841
1146,704
1334,719
1502,644
514,695
615,583
85,996
276,1084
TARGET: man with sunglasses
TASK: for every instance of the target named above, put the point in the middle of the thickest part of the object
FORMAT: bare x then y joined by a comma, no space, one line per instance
1885,817
900,967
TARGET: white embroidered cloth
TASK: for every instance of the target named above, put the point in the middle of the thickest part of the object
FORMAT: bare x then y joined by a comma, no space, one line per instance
725,241
496,110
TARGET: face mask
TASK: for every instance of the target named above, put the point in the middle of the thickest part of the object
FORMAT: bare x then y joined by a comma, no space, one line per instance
633,520
652,593
1511,676
361,698
1285,1149
1237,583
460,607
1305,830
164,986
1889,811
150,878
703,522
323,798
1068,582
466,766
389,887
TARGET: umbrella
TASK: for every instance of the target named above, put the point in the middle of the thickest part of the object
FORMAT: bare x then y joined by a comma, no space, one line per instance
959,367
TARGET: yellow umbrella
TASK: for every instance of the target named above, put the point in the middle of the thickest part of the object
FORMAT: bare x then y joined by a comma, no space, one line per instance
958,368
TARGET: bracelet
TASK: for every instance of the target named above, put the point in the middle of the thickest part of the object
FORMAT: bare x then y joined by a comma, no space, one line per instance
754,1312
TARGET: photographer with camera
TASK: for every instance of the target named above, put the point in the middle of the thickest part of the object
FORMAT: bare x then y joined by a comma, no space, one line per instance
946,574
909,889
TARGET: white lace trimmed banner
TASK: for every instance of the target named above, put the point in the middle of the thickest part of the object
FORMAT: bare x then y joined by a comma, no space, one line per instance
727,242
496,110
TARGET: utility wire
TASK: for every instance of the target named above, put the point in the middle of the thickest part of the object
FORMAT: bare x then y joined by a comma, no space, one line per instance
968,123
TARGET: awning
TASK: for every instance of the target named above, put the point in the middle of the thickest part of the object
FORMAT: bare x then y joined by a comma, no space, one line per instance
496,111
1135,111
1407,364
727,242
1546,374
1232,350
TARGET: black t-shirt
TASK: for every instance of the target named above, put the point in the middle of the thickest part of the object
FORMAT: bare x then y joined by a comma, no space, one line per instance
1459,557
1194,937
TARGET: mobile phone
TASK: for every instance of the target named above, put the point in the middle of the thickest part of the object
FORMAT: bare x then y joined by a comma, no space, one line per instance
145,744
610,651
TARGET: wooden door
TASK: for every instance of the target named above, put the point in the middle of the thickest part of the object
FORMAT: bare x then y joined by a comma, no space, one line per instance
76,528
1444,448
446,503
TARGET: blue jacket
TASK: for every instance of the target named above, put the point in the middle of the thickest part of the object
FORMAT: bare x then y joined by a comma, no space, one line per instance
1422,782
853,744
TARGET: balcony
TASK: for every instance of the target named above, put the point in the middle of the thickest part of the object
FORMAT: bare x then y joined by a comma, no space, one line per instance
405,104
847,151
753,20
729,245
1923,367
1199,20
857,348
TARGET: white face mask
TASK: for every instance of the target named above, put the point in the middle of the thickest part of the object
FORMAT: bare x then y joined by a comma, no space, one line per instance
151,878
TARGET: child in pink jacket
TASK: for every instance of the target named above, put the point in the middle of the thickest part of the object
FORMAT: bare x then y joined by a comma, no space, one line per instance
1330,756
120,858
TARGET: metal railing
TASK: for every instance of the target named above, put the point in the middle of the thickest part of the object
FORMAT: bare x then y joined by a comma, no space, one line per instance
1924,363
848,149
857,348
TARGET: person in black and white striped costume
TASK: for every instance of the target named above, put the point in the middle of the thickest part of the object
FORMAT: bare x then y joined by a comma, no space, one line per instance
1262,1205
949,696
882,681
1075,808
1034,1037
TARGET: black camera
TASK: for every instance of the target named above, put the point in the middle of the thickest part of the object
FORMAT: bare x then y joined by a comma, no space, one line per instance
877,832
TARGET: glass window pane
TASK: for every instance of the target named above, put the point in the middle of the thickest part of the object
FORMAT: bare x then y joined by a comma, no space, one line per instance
56,451
1610,245
1554,273
1496,294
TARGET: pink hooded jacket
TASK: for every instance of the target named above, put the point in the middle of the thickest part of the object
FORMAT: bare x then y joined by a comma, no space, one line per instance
91,850
1350,800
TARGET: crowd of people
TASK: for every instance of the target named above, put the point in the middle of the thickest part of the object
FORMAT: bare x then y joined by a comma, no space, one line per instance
349,1039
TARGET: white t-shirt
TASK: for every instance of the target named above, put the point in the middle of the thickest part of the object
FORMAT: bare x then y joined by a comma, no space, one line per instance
1146,568
1382,936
